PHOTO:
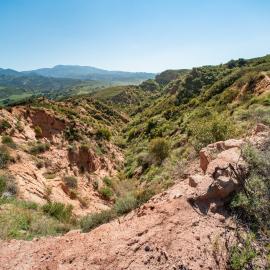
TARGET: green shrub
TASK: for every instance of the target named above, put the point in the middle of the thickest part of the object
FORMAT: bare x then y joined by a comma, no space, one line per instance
158,149
92,221
25,220
142,196
253,204
10,184
252,207
125,204
103,133
49,175
39,148
211,129
71,181
150,85
44,226
5,157
58,210
241,256
144,160
106,193
107,181
72,133
38,131
8,141
4,125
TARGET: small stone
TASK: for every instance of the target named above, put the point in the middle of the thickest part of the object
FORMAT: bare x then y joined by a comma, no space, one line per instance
147,248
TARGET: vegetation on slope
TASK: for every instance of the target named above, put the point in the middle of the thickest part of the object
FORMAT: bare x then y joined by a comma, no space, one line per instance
207,104
161,125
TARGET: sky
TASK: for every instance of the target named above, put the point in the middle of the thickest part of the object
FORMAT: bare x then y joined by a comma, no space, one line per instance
131,35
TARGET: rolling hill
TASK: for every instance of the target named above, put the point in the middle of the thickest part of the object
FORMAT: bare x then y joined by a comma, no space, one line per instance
61,81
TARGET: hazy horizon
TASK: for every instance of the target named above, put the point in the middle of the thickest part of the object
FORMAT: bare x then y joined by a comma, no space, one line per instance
137,36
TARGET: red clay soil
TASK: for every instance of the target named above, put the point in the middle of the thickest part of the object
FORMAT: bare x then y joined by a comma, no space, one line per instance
165,233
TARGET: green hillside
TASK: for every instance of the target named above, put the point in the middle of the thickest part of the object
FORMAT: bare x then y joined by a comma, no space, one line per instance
161,125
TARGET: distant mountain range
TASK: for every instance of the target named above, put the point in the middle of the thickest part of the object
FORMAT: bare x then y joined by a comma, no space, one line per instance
83,73
62,80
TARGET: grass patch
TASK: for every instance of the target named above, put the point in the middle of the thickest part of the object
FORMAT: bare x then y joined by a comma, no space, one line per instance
5,157
26,220
58,210
7,140
39,148
107,181
92,221
106,193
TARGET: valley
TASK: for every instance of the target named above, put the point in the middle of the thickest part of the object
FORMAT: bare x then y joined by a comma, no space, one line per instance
165,172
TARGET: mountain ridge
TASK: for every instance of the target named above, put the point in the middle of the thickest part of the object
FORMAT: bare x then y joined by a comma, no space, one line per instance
80,72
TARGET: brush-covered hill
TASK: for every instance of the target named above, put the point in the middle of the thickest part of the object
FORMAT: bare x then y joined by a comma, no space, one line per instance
61,81
197,138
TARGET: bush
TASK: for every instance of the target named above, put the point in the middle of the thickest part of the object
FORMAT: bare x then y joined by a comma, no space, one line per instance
25,220
71,181
252,207
150,85
49,175
92,221
11,185
38,131
253,204
103,133
39,148
209,130
107,181
8,141
125,204
241,256
158,149
58,210
2,185
5,157
106,193
4,125
142,196
72,133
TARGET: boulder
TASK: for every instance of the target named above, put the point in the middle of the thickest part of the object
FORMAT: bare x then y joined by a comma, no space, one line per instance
211,151
219,180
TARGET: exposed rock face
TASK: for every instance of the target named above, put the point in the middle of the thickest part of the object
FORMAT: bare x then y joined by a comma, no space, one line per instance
208,153
40,177
84,158
224,169
49,124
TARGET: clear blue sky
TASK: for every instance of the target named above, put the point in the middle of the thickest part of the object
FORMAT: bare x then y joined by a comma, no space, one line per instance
133,35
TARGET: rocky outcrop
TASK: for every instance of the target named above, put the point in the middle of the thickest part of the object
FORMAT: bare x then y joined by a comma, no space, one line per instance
40,176
209,153
49,124
224,170
84,158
